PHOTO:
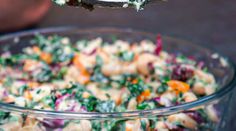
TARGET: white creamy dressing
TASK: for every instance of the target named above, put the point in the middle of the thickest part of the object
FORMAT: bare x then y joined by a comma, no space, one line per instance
61,2
136,3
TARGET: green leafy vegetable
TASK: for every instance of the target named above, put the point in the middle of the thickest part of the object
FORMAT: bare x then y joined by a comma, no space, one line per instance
136,88
22,89
44,75
106,106
90,103
162,88
126,56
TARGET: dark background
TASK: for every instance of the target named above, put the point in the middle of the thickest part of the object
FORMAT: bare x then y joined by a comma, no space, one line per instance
207,22
210,23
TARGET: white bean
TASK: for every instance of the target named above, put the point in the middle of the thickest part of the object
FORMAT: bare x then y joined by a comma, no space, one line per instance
184,120
212,114
129,68
132,104
72,74
189,97
41,92
122,45
87,61
135,125
111,69
147,46
83,125
210,89
143,61
32,128
161,126
12,126
209,78
92,45
199,88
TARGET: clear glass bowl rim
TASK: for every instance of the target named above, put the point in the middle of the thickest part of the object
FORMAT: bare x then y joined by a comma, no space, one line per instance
228,87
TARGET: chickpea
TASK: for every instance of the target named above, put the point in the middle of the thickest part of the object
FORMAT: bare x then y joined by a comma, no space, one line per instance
209,78
135,125
161,125
84,125
122,45
143,61
30,124
147,46
16,85
31,65
132,104
199,88
112,68
129,68
60,84
72,74
104,56
32,128
20,101
189,97
88,61
12,126
92,45
96,91
210,89
45,90
169,95
110,49
184,120
136,48
114,93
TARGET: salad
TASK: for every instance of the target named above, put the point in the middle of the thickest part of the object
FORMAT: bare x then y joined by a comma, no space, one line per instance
96,76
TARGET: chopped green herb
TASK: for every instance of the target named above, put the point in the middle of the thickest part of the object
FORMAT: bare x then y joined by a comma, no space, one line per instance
162,88
126,56
106,106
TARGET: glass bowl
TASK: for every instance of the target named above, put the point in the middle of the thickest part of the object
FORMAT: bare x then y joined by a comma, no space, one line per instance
32,119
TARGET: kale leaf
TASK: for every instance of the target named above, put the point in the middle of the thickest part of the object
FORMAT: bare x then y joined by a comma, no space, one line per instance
106,106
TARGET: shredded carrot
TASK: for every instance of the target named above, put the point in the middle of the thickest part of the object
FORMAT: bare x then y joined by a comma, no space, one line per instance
144,95
36,50
129,126
29,121
33,84
178,86
47,57
83,79
28,95
128,129
118,101
84,74
136,57
135,81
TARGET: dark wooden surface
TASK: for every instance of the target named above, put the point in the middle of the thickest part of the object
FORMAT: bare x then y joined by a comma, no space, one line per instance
206,22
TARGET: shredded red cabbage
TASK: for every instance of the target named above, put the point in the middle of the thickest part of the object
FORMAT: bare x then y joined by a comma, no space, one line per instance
158,45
